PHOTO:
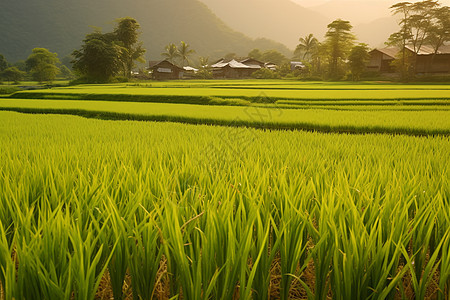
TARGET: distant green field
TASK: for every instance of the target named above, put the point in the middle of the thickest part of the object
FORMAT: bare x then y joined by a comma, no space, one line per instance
269,93
402,122
276,90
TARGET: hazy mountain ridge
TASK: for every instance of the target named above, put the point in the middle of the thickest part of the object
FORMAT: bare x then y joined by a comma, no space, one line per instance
61,25
280,20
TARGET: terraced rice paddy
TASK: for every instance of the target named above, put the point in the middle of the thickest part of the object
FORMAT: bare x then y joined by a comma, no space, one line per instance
102,209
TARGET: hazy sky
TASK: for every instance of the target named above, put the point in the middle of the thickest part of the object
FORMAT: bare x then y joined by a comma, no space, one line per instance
308,3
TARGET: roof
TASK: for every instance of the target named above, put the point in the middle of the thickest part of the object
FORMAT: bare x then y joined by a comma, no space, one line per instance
424,50
232,64
190,69
252,63
429,50
389,51
296,64
154,63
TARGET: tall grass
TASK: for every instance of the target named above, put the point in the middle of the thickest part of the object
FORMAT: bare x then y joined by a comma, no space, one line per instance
148,210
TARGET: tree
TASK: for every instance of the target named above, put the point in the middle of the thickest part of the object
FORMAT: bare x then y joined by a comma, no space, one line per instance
306,47
358,58
171,53
400,39
65,72
100,57
339,41
127,36
184,52
256,54
439,32
274,56
42,65
3,63
13,74
230,56
421,22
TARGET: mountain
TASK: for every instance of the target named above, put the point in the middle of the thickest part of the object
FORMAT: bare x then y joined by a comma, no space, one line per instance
280,20
377,32
355,11
61,25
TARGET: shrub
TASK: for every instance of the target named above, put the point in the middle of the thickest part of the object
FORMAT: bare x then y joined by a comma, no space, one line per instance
266,74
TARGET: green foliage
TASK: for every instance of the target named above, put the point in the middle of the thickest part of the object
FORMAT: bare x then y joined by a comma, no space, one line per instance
42,65
127,35
185,52
358,59
103,56
339,41
265,74
307,47
66,73
256,54
420,23
171,53
12,74
3,63
99,58
6,90
274,56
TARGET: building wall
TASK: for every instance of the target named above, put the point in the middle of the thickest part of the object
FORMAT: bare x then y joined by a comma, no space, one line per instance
439,63
380,62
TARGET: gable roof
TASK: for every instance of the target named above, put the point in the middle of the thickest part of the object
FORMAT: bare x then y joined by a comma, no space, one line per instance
155,63
389,51
429,50
232,64
424,50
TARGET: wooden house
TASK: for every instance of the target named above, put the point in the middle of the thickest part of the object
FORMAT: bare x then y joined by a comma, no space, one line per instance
381,60
427,61
165,70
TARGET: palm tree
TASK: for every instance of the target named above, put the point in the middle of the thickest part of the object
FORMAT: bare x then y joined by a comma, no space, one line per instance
171,52
184,52
306,46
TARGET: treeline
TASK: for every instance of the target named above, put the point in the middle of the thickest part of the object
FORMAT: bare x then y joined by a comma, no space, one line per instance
104,57
41,66
338,56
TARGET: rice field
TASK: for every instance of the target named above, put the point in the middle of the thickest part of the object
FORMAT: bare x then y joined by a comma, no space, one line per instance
414,122
95,209
278,90
226,190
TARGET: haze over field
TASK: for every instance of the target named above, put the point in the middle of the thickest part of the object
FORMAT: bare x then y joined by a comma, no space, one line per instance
212,27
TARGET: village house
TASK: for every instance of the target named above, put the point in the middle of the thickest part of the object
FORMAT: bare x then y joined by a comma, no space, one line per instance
427,61
165,70
237,68
233,69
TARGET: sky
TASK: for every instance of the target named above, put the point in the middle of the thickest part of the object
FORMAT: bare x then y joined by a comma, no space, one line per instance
310,3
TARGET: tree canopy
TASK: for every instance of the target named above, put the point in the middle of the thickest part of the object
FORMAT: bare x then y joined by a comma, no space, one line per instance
104,55
339,41
127,35
43,65
3,63
358,58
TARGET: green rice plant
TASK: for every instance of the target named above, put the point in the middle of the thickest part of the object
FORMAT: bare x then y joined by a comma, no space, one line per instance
44,262
183,246
144,252
214,213
87,267
444,280
7,268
